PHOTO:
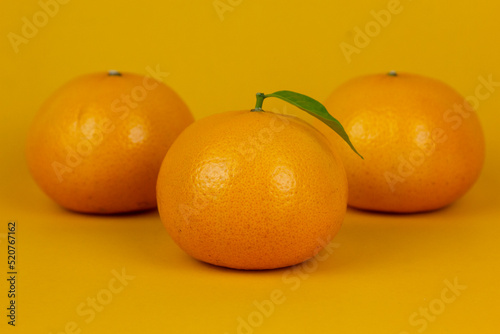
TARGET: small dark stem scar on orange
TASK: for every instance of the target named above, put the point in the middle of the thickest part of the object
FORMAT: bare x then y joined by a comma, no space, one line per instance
113,73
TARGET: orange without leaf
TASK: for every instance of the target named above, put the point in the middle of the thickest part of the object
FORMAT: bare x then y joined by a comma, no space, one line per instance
96,145
422,142
252,190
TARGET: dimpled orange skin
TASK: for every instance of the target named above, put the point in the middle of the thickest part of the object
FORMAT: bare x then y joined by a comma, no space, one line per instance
96,145
252,190
420,153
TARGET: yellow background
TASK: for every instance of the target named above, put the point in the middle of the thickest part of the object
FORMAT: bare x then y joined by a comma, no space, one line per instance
385,267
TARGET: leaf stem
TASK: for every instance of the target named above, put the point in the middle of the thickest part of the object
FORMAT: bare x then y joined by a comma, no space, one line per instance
258,103
311,106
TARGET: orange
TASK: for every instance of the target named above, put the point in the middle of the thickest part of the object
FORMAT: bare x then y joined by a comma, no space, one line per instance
97,143
252,190
422,142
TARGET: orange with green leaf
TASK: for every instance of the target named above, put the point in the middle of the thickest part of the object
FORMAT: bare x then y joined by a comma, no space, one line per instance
254,189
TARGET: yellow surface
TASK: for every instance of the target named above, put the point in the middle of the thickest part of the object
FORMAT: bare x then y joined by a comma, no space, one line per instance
383,268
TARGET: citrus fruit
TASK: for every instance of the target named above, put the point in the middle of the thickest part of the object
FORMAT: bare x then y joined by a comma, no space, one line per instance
252,190
422,142
97,143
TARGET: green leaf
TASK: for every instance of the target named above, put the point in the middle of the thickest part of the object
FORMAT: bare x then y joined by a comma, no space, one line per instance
316,109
